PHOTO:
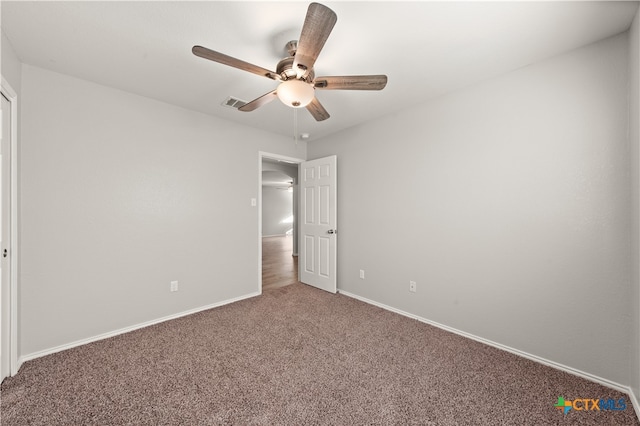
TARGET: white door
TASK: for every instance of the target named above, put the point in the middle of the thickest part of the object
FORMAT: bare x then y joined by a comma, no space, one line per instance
5,295
318,227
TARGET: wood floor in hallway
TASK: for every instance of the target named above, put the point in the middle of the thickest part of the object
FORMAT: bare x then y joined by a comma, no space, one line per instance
279,266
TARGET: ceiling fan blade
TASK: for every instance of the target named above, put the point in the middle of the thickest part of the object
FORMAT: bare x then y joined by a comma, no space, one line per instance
257,103
212,55
351,82
317,110
316,29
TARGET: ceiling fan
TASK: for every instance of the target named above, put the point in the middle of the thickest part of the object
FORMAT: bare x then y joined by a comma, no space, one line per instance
295,72
288,188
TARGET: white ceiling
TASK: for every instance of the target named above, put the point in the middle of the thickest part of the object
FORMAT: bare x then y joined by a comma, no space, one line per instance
425,48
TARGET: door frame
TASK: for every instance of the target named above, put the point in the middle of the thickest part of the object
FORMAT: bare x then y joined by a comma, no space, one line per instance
12,96
261,156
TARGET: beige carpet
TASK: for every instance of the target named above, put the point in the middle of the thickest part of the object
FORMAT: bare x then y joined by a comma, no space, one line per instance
294,356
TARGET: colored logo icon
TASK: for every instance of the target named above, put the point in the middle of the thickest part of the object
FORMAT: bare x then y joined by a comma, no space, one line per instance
563,405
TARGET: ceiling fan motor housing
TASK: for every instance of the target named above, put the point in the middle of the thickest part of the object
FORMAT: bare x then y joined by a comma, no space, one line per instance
286,71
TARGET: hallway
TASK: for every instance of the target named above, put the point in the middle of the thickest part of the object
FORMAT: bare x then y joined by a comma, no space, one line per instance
279,266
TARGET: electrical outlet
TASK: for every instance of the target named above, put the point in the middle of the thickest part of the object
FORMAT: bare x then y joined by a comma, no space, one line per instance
362,274
412,286
174,286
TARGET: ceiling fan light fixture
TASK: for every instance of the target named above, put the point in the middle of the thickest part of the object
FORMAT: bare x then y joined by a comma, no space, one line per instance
295,93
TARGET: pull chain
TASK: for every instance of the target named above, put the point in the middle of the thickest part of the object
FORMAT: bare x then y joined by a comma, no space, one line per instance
295,125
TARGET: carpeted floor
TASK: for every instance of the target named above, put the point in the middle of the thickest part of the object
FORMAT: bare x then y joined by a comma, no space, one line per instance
295,356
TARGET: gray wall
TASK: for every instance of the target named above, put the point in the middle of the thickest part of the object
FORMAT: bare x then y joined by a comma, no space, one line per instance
121,195
11,65
634,135
508,202
277,206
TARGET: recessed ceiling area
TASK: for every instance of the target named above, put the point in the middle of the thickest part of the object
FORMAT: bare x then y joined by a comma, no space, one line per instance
425,48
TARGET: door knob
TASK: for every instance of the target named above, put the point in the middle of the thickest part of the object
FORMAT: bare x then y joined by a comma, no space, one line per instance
331,231
5,253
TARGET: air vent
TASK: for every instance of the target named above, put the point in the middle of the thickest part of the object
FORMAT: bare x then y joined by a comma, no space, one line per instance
232,102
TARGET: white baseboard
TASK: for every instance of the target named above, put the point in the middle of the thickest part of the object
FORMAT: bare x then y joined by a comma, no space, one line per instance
109,334
576,372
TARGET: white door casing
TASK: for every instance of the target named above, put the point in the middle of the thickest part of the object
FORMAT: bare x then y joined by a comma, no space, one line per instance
9,259
5,293
318,223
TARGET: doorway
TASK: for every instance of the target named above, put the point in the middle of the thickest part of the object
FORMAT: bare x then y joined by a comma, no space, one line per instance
8,232
278,227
